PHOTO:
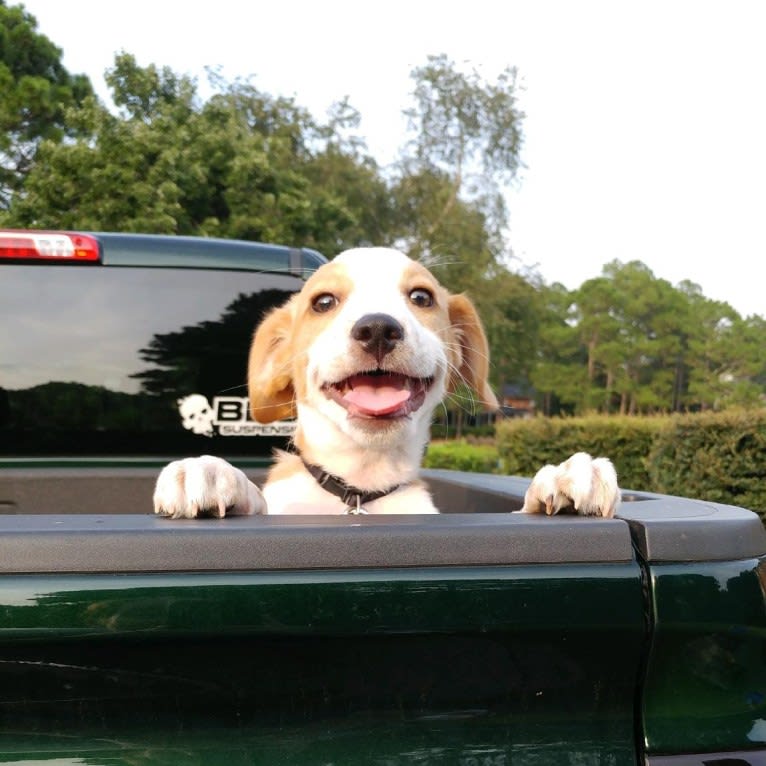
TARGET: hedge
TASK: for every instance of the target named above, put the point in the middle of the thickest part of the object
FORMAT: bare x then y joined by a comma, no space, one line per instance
718,457
710,456
526,445
462,456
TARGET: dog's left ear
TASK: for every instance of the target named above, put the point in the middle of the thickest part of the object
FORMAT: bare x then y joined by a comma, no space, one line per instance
269,369
473,364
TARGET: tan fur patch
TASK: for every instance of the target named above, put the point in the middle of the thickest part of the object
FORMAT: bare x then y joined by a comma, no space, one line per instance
278,355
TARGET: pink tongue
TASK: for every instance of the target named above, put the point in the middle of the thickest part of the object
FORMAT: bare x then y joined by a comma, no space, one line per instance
376,395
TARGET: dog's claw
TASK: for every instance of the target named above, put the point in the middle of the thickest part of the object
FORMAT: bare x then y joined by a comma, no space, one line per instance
582,483
192,487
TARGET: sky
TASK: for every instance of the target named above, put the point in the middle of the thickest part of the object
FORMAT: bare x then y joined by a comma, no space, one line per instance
645,127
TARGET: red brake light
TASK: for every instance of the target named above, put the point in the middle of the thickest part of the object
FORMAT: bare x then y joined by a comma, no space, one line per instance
48,245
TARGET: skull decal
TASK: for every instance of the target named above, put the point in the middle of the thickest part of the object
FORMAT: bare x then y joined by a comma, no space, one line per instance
197,414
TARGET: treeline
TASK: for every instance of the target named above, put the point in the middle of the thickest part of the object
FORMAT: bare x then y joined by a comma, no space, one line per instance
629,342
247,164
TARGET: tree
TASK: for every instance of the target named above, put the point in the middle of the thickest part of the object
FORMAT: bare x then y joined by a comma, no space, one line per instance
727,358
632,343
598,331
512,309
631,323
559,372
466,143
35,92
246,164
122,172
464,130
460,251
242,164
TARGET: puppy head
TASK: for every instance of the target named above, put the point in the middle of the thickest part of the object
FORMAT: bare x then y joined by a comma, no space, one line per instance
372,342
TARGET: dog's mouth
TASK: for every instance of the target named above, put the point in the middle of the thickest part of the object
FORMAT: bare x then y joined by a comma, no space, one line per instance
379,394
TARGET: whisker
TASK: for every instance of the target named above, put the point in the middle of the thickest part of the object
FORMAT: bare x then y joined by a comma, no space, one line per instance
232,388
437,260
459,347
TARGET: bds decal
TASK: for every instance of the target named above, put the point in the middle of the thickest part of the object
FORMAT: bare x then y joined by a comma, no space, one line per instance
227,416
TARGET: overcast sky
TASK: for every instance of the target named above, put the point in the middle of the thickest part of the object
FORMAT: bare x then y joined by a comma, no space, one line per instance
645,135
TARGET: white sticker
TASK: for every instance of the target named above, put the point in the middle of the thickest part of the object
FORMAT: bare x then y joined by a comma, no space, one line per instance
227,416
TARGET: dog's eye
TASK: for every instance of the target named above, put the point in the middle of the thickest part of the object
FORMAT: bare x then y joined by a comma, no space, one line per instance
422,298
324,302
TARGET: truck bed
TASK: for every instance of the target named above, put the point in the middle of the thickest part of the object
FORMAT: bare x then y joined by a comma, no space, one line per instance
477,636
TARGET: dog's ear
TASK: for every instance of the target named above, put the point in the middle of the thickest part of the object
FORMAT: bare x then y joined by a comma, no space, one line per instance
269,369
473,363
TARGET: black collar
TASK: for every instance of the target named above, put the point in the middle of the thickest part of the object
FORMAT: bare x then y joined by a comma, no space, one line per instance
353,497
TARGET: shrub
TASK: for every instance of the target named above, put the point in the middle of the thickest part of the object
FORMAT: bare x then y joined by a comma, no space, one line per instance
526,445
719,457
461,456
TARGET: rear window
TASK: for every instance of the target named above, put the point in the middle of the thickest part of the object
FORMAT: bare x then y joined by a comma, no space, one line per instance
129,361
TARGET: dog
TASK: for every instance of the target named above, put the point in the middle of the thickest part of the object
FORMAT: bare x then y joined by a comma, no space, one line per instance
362,356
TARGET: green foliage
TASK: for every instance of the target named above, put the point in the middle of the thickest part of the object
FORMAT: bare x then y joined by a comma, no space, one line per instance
243,164
467,137
459,119
630,343
709,456
249,165
76,407
462,456
728,359
466,141
35,92
511,310
525,445
712,456
449,234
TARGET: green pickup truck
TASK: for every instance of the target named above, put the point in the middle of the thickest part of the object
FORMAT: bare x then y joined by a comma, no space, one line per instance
476,637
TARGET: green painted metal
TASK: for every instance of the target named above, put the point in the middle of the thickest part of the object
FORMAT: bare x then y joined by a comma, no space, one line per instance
470,738
486,665
705,687
559,597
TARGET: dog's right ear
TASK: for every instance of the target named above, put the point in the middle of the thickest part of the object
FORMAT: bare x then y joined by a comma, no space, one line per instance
269,369
469,338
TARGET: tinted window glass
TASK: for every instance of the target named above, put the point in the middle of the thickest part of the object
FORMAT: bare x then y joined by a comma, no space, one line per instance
130,361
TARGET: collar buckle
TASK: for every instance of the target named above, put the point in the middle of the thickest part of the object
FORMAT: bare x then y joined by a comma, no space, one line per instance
356,510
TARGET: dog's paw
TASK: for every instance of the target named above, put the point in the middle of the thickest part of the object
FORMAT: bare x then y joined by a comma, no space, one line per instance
205,485
584,484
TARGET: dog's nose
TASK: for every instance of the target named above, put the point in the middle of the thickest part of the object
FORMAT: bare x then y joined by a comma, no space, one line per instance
378,334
